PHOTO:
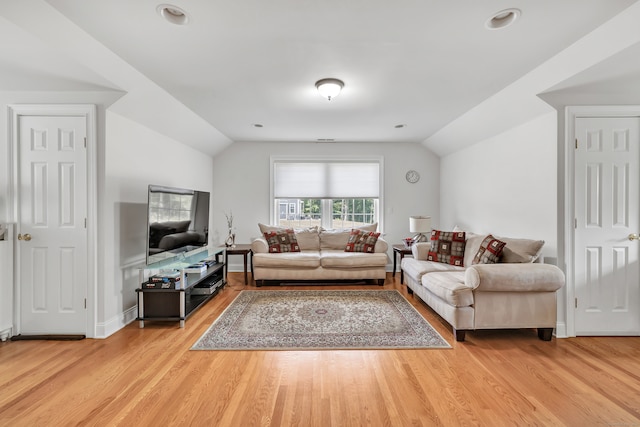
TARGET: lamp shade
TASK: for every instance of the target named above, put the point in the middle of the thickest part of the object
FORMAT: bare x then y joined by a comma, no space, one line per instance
420,224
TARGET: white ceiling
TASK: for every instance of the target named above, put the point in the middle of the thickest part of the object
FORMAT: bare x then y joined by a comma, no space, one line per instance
420,63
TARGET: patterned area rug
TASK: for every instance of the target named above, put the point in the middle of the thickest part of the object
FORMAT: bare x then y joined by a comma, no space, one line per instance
299,320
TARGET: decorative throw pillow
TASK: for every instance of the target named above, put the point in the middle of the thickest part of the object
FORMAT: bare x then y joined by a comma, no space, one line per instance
282,241
362,241
447,247
490,251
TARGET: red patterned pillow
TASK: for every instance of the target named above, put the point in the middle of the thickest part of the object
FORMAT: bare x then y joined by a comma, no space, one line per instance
490,251
362,241
447,247
282,241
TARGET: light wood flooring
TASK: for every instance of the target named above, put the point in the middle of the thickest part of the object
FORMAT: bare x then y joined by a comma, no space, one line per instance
149,377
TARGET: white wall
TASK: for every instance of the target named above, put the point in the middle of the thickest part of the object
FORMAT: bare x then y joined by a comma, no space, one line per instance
241,184
506,184
134,157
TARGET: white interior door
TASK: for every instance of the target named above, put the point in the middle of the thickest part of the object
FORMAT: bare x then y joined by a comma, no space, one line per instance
52,194
607,188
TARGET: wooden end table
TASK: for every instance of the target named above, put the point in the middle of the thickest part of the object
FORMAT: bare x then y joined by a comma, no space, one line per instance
241,249
400,250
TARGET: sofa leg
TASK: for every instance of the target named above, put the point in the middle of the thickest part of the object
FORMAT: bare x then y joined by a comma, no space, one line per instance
545,333
459,334
381,282
409,291
259,283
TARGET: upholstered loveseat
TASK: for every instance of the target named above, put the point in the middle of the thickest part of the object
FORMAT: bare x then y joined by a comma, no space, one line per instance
482,282
317,254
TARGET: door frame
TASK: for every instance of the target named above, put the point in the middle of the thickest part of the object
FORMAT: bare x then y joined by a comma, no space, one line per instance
88,111
572,113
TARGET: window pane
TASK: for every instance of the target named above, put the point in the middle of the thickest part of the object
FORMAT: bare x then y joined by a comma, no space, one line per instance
338,213
351,213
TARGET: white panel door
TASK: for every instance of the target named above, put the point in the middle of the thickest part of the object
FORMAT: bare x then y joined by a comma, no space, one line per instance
607,279
52,224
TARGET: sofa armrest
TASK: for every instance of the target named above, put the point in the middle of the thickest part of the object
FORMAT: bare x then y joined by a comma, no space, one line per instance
260,246
420,250
514,277
381,246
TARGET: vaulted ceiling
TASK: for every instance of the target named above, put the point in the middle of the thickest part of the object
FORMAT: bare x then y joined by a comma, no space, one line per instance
419,64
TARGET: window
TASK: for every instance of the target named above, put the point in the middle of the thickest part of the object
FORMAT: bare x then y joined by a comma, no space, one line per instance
328,193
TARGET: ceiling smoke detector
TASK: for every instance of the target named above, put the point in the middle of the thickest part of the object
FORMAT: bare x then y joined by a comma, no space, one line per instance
502,19
173,14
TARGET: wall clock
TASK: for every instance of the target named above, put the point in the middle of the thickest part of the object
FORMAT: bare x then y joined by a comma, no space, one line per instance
413,176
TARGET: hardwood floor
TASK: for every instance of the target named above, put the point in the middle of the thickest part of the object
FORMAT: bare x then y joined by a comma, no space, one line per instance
144,377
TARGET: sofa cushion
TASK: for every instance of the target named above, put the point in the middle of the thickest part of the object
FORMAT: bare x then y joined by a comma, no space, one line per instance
490,251
447,247
338,238
307,237
473,243
420,250
282,241
416,268
450,287
342,259
334,239
521,250
361,241
289,260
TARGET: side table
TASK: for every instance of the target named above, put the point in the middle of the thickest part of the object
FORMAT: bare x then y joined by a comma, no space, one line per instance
400,250
241,249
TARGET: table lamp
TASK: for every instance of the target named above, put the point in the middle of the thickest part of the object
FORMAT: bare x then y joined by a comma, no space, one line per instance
420,225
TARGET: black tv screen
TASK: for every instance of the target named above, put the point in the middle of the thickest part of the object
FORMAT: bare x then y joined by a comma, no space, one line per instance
177,222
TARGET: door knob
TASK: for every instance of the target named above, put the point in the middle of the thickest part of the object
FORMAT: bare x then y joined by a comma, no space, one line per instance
26,237
633,236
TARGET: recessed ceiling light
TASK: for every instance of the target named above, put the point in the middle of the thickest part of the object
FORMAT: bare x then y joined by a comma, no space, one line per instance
400,126
257,125
502,19
173,14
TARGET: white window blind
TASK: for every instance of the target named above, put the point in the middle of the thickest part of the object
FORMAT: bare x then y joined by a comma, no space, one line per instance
326,180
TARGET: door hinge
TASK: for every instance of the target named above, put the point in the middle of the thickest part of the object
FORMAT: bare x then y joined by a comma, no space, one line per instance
85,303
576,143
575,223
85,142
576,302
85,223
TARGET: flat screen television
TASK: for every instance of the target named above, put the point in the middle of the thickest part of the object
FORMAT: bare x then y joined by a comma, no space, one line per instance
177,222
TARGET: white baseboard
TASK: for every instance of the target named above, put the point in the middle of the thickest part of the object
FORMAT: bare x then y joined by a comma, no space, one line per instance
110,327
561,330
6,333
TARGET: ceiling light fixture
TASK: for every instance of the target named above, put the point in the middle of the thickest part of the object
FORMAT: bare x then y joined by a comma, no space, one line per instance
173,14
329,88
502,19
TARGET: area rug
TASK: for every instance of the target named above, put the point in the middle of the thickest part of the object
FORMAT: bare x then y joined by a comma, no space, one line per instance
305,320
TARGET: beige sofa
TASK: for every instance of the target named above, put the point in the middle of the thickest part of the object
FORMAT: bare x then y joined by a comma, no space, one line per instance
514,293
322,257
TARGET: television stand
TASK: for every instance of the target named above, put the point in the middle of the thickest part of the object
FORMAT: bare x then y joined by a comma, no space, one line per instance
195,289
